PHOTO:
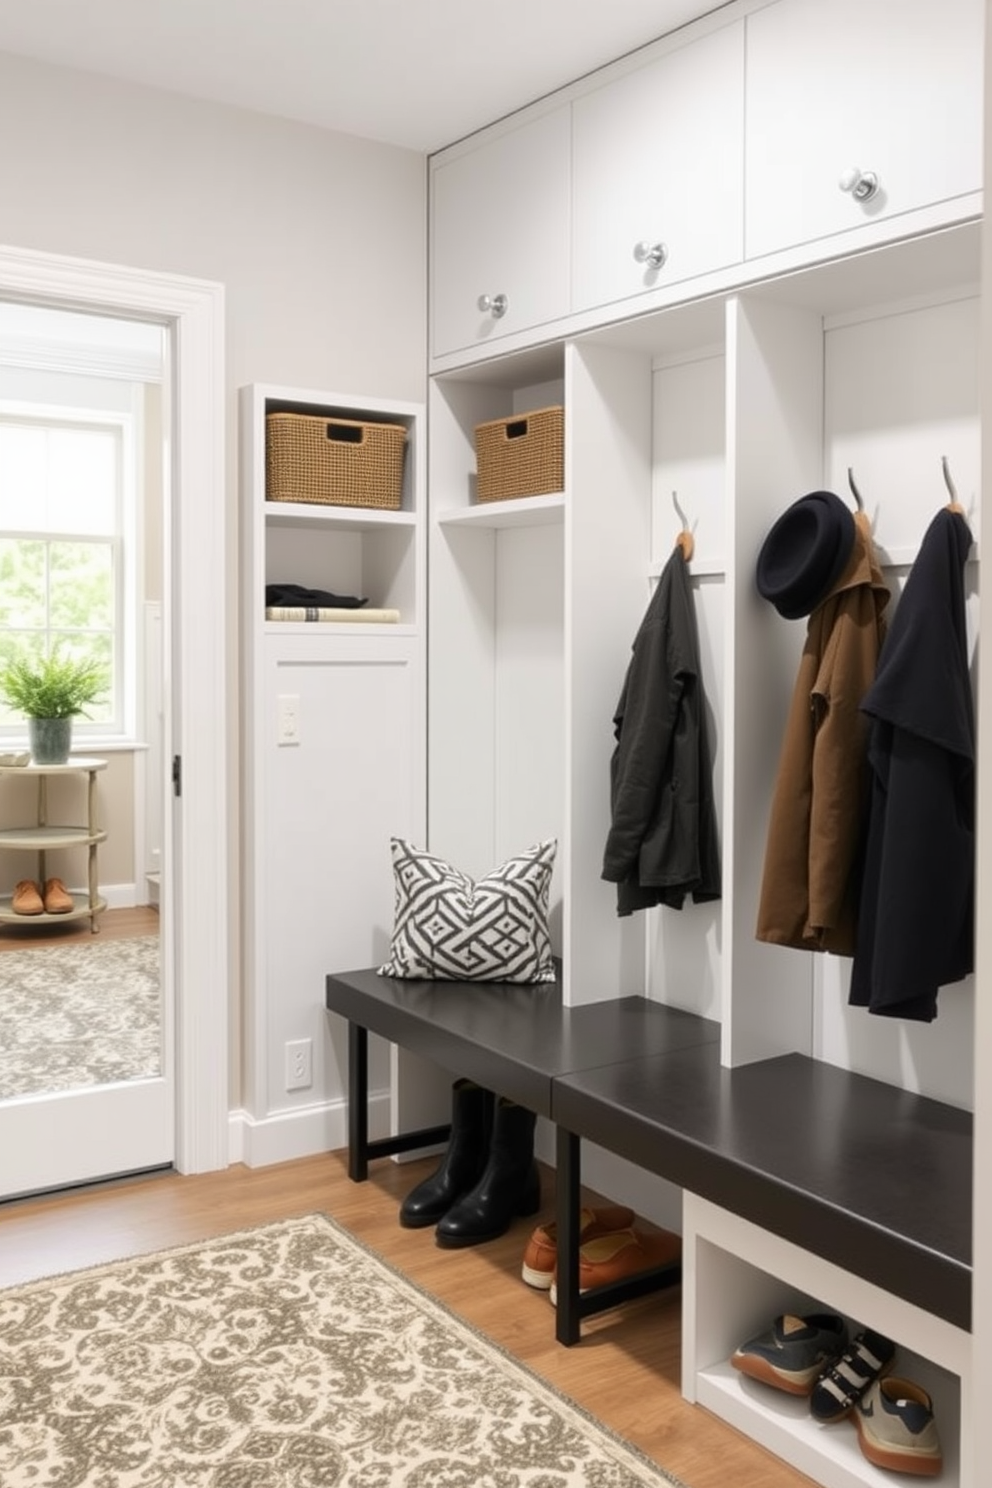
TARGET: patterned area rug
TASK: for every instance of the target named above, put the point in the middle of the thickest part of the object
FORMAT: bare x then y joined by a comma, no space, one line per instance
288,1356
86,1013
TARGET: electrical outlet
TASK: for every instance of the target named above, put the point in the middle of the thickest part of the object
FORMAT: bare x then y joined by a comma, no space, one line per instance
299,1064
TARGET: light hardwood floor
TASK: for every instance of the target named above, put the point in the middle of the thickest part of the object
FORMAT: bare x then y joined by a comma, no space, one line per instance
625,1371
114,924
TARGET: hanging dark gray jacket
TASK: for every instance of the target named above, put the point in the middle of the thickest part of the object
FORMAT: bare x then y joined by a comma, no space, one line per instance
662,844
915,926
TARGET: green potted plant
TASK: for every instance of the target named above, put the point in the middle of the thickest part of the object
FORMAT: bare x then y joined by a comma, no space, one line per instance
50,691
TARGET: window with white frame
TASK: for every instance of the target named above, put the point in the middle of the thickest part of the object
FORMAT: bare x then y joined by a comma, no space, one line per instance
67,565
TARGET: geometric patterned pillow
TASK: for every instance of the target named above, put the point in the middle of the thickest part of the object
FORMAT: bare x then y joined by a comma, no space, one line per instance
449,927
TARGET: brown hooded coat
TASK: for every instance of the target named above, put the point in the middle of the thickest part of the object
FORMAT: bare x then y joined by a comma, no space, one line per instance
816,829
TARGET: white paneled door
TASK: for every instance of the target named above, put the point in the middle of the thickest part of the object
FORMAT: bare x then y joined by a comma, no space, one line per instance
177,1115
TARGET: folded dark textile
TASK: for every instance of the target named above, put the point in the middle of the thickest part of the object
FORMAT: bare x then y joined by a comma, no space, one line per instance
296,594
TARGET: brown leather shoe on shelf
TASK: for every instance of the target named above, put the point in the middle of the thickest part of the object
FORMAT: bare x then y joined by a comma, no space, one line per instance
619,1256
541,1254
58,900
26,899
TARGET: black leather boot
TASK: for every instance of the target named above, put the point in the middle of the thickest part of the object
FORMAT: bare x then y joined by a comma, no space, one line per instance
464,1158
510,1184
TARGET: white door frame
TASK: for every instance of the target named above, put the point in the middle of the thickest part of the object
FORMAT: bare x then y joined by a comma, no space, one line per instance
195,955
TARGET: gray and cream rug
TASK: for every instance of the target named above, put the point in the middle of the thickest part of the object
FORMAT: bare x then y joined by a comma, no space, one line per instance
80,1014
288,1356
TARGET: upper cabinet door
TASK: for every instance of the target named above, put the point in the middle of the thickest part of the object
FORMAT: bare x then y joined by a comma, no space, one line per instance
500,234
658,172
858,110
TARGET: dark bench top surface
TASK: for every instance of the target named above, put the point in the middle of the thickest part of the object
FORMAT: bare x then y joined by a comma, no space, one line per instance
512,1038
869,1176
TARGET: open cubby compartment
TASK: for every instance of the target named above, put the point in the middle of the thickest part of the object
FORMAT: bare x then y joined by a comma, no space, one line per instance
368,552
688,487
648,398
496,636
476,395
627,387
901,392
369,555
869,364
737,1278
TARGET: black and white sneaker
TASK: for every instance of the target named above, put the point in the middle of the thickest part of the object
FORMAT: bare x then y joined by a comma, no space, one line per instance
794,1352
840,1387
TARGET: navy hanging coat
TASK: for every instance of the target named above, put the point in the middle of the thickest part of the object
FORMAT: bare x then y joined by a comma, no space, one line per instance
662,844
915,926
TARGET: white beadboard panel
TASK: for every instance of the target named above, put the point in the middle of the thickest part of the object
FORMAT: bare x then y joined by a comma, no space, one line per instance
932,1059
689,458
685,947
901,391
333,801
529,695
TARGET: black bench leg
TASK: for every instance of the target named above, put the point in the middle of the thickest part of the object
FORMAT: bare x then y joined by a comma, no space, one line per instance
358,1103
568,1162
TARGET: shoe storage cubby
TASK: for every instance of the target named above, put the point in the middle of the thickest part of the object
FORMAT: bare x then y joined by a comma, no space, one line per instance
737,1279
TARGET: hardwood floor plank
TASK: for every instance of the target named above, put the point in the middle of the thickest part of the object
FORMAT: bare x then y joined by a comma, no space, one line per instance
114,924
625,1371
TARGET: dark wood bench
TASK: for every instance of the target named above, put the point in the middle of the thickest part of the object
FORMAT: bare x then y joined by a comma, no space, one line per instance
868,1176
871,1177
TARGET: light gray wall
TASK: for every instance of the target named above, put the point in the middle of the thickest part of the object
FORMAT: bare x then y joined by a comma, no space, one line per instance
318,238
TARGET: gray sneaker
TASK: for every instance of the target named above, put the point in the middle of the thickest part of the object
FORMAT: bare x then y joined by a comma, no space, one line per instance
896,1427
794,1352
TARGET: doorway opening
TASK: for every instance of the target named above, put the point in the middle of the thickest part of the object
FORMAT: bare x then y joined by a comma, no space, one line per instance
185,1105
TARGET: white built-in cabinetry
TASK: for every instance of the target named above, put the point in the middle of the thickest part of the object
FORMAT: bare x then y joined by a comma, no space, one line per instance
854,90
334,753
658,171
740,145
500,257
815,332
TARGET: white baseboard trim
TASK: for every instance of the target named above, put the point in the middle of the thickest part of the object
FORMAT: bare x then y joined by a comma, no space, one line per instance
308,1131
118,896
260,1141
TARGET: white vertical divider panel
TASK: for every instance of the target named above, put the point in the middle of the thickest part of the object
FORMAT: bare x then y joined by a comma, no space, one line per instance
774,455
461,636
977,1392
607,546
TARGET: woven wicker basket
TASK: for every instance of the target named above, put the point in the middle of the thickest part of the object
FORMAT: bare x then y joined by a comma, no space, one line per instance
333,462
521,456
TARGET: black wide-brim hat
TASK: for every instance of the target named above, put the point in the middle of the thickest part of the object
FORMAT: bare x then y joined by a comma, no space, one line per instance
804,554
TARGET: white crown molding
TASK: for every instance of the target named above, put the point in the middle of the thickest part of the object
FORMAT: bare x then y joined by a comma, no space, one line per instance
39,354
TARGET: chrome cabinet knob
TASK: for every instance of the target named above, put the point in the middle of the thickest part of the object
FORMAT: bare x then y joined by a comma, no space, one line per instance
652,254
496,305
861,184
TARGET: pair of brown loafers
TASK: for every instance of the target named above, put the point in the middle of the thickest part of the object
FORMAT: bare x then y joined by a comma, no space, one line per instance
611,1248
31,899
